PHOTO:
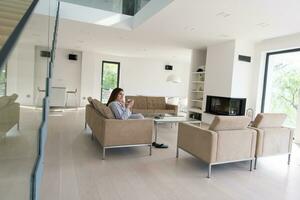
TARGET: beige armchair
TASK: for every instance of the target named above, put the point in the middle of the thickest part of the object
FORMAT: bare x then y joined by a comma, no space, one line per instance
114,133
272,137
227,140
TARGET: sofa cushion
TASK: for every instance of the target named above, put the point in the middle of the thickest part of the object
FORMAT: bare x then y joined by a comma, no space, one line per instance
164,111
142,111
140,102
103,109
156,103
221,123
267,120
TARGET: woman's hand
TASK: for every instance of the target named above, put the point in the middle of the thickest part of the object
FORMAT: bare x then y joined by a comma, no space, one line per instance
130,103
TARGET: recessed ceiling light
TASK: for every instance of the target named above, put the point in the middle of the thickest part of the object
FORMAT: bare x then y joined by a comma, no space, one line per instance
223,14
224,36
263,24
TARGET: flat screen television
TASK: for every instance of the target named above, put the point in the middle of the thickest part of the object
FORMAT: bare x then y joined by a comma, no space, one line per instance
225,105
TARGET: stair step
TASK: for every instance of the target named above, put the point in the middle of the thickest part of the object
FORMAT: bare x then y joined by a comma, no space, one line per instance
9,15
20,2
6,30
12,10
8,22
2,40
14,5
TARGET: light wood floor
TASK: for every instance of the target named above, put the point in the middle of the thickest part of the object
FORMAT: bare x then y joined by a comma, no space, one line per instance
18,151
74,170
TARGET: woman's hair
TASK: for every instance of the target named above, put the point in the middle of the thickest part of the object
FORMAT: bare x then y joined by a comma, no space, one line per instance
114,95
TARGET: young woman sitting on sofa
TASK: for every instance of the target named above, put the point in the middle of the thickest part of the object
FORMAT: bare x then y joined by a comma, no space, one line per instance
119,107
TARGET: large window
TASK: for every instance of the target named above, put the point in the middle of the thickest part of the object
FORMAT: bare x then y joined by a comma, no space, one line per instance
282,84
109,79
3,72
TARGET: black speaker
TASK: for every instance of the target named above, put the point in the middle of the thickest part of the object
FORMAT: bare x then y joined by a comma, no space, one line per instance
72,57
244,58
168,67
45,54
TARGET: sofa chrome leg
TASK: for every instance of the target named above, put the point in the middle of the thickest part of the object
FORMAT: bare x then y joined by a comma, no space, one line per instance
150,149
18,126
177,152
255,163
251,165
289,159
85,125
209,171
103,153
92,137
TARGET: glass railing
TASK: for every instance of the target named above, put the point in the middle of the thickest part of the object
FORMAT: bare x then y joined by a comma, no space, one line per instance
23,121
126,7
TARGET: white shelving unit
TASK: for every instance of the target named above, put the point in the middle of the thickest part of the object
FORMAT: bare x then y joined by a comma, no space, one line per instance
196,92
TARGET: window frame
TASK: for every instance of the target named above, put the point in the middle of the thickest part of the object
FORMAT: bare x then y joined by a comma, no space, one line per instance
262,108
118,76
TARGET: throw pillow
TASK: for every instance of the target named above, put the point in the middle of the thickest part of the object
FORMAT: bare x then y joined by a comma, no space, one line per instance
103,109
90,100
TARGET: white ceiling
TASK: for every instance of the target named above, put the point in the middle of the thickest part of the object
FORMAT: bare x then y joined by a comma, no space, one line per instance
185,25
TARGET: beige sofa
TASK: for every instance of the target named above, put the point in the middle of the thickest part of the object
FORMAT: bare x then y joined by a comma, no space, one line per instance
114,133
9,113
152,105
272,138
227,140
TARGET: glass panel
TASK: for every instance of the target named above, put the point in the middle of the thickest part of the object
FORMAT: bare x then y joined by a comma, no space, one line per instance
20,119
110,79
127,7
283,84
3,81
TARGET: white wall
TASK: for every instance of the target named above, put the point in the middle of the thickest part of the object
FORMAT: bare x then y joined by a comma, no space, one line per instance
138,76
219,69
20,73
243,73
66,73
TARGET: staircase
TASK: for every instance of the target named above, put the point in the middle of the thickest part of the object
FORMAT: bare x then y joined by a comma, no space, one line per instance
11,12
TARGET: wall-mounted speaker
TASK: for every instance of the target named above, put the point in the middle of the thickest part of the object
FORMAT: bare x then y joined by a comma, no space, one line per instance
244,58
168,67
72,57
45,54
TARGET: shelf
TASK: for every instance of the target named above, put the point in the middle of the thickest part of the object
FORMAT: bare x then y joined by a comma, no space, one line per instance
198,91
196,110
195,100
198,72
197,81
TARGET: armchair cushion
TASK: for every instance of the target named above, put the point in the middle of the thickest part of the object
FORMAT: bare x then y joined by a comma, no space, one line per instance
267,120
5,100
229,123
103,109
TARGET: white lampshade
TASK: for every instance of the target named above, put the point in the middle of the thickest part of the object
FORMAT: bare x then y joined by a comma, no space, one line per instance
174,78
